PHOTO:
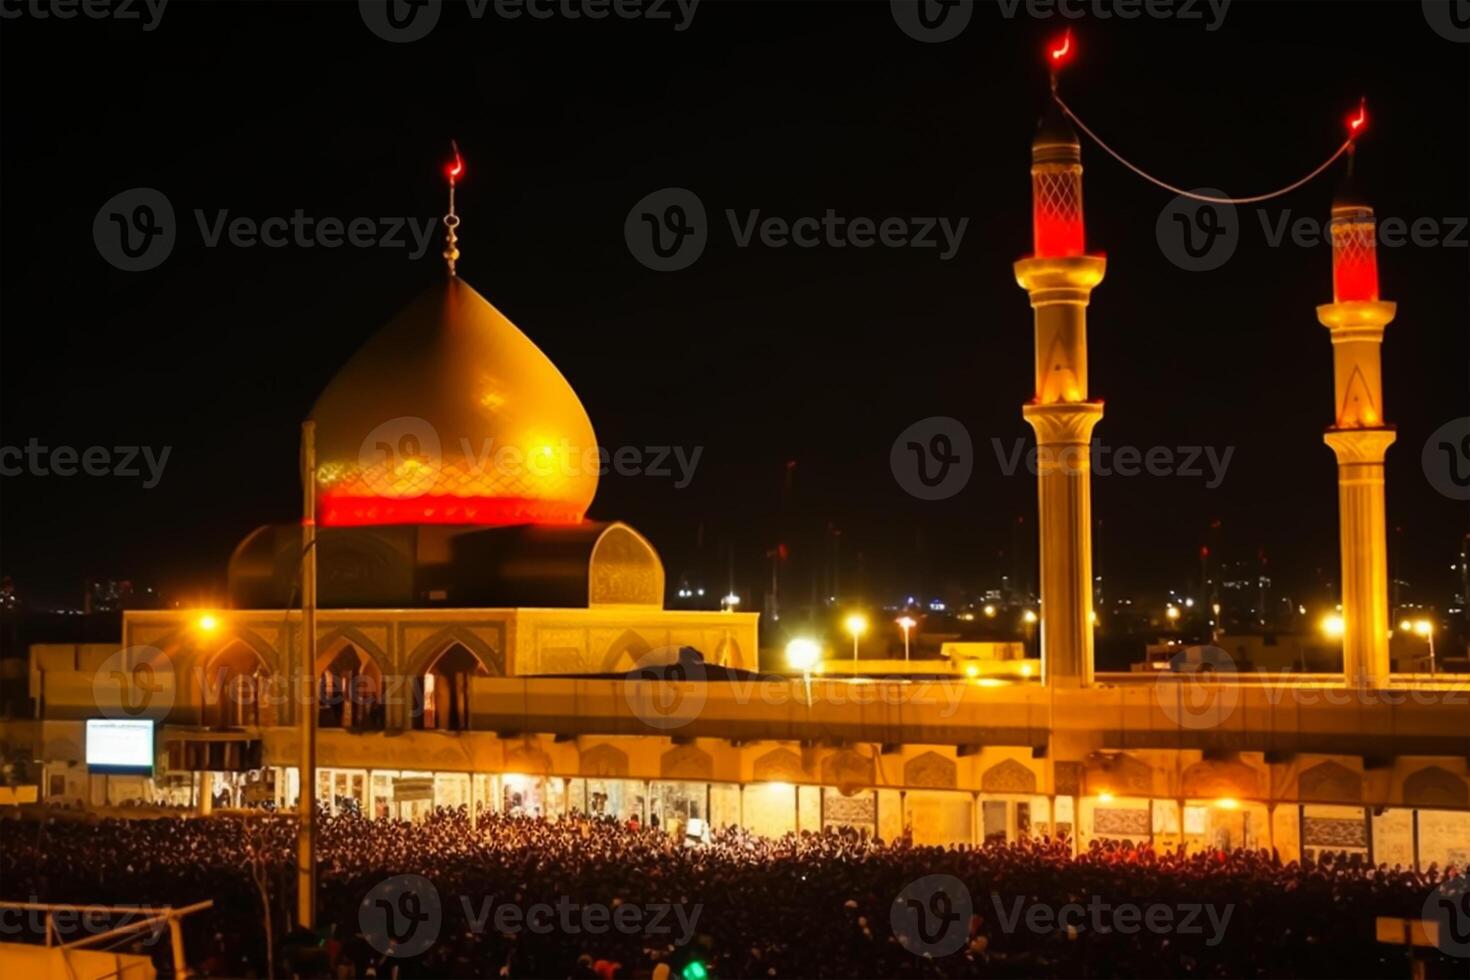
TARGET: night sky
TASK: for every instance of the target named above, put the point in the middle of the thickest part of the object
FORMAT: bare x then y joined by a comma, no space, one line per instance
759,355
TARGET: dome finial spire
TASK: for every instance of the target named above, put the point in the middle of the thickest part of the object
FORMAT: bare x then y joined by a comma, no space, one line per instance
451,220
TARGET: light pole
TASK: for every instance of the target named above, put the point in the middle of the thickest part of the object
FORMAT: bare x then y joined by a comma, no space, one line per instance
857,625
802,654
905,623
1425,628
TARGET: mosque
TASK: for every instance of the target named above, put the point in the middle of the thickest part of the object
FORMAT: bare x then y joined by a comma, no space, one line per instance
474,640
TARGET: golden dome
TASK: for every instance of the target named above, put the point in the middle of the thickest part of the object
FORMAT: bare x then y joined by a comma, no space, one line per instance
451,415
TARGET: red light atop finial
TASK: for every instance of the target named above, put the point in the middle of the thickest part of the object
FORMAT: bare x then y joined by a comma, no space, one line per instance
1358,123
455,169
1060,52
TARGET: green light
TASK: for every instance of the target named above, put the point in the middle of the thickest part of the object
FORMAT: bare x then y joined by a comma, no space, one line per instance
694,970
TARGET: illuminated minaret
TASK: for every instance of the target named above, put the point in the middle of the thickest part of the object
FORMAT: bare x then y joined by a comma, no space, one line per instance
1359,435
1059,276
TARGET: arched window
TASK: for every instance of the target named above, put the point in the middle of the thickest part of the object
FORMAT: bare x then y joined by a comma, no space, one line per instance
442,691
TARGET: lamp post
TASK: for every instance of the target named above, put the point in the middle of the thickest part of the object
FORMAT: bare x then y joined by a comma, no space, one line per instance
1425,628
905,623
802,654
857,625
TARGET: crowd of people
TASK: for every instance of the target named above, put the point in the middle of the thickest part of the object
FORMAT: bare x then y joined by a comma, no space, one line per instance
808,905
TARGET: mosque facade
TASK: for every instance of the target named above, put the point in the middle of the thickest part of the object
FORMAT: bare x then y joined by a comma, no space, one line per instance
480,642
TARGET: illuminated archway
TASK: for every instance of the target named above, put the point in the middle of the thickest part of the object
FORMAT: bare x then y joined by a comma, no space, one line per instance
234,688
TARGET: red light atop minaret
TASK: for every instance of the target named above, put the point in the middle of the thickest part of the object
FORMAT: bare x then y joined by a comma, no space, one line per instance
1059,52
456,169
1358,122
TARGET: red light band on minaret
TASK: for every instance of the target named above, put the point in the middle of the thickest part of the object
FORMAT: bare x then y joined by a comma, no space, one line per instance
1354,255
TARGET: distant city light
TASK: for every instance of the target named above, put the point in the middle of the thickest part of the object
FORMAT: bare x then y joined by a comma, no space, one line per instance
990,611
1029,616
1333,625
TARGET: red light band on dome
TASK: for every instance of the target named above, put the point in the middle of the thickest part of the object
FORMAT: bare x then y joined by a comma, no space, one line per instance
341,510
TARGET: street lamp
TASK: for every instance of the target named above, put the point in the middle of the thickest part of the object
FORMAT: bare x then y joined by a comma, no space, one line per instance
1332,625
857,625
905,623
1172,612
802,654
1425,628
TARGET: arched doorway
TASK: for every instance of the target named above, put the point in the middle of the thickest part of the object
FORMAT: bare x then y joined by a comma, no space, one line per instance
234,689
349,690
442,691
